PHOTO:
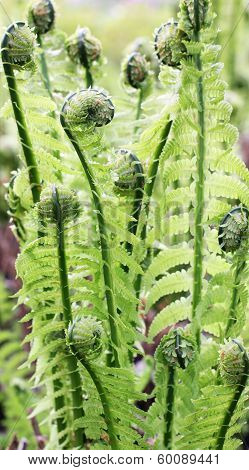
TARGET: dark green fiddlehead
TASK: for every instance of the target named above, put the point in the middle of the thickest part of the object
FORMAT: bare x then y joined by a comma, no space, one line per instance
175,350
84,49
129,181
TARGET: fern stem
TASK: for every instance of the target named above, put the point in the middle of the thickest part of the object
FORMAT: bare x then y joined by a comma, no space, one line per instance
148,190
67,314
89,78
137,206
34,178
169,413
237,394
106,407
44,68
139,108
199,210
105,250
240,266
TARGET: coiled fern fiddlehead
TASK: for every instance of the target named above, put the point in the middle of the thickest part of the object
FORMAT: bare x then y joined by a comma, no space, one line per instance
84,49
130,182
17,49
59,206
234,369
136,74
94,108
175,350
233,238
85,339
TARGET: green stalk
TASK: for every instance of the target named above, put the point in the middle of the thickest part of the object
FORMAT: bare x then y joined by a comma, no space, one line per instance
137,206
240,267
44,68
105,404
148,190
169,413
67,314
105,249
139,108
84,60
199,210
34,178
231,409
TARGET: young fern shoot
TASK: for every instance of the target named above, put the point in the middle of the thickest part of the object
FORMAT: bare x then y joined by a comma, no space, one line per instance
61,206
88,109
41,16
86,50
17,49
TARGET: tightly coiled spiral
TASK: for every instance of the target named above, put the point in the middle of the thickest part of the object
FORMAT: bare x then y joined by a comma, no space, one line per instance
18,46
135,71
190,19
83,48
169,45
41,16
54,199
145,48
88,107
232,362
176,349
127,171
85,338
233,229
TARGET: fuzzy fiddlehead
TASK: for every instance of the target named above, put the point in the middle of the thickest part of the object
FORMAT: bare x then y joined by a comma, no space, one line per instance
59,206
129,181
85,339
234,370
17,50
175,350
86,110
84,49
233,238
169,45
136,75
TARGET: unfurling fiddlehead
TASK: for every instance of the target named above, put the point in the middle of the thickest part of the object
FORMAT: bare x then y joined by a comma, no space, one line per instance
17,49
145,48
129,181
84,49
233,238
137,75
88,109
234,370
169,45
59,206
176,349
85,339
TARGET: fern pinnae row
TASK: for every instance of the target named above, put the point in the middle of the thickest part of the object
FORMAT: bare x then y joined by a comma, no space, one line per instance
148,190
62,206
102,112
20,56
